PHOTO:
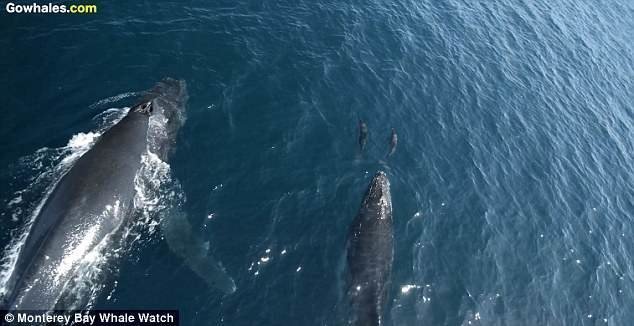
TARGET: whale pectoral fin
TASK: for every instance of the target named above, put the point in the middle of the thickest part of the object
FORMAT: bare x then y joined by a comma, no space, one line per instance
187,245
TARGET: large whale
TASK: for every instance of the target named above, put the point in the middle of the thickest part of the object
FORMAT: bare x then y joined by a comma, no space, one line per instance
370,254
93,198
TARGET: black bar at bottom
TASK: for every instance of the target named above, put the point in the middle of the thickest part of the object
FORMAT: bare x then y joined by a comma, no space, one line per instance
89,318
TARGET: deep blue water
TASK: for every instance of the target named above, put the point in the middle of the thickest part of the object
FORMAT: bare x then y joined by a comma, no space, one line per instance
512,183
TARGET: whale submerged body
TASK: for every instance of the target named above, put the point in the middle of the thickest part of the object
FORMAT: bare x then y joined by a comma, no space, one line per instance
370,254
92,199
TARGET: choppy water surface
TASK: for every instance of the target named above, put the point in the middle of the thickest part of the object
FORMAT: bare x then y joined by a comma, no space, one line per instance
512,183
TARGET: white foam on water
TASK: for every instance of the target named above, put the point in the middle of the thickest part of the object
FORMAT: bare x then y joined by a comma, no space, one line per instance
85,248
78,145
113,99
15,201
153,190
77,250
408,287
90,259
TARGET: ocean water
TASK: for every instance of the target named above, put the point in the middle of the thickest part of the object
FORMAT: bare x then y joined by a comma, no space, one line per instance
512,183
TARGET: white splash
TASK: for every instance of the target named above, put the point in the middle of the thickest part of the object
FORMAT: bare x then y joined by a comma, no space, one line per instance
113,99
408,287
76,251
152,193
15,200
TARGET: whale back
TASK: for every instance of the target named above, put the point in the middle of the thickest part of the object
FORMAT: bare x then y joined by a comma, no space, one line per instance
370,254
93,198
103,177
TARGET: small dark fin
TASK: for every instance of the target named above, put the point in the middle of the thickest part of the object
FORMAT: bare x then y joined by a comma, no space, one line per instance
393,142
363,134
